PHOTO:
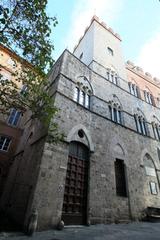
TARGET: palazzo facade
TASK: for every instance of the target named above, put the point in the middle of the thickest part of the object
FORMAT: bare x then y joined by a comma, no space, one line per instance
107,169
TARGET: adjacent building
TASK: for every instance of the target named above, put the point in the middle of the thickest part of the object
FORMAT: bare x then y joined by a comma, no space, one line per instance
107,169
10,130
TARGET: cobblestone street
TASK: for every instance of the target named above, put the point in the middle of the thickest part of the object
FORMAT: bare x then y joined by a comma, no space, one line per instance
131,231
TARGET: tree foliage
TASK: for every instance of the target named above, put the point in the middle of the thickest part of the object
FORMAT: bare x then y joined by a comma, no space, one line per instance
25,29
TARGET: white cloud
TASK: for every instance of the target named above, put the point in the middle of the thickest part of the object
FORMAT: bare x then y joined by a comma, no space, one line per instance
106,10
149,57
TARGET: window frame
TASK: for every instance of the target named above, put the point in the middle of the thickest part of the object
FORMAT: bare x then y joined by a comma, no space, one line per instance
4,143
156,130
81,97
153,190
141,125
12,119
148,97
133,89
112,77
115,114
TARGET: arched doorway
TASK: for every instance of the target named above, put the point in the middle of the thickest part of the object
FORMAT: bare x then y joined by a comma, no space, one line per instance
76,185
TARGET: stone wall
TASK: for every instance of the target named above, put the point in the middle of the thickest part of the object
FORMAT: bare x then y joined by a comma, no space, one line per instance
109,142
43,165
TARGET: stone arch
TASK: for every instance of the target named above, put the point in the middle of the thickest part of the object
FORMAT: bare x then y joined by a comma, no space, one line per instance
144,153
74,136
132,80
84,81
117,101
139,112
118,149
148,89
155,119
148,161
113,68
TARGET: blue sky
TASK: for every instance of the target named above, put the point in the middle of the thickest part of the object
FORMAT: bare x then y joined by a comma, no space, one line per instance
137,22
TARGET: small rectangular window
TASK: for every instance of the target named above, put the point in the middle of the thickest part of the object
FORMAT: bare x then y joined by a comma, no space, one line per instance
81,56
120,178
4,143
110,51
153,188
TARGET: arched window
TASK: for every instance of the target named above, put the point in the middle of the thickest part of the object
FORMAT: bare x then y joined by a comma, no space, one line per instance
133,89
83,92
156,130
82,97
149,98
141,125
115,113
112,76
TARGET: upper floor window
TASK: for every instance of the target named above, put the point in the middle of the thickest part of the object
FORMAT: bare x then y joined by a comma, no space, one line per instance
4,143
14,117
110,51
82,97
115,113
148,97
133,89
112,76
141,125
156,130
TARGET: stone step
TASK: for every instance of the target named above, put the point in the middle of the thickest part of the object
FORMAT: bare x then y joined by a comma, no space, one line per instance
121,221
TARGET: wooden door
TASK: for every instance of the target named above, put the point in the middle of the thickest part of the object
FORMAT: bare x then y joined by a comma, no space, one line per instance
75,195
